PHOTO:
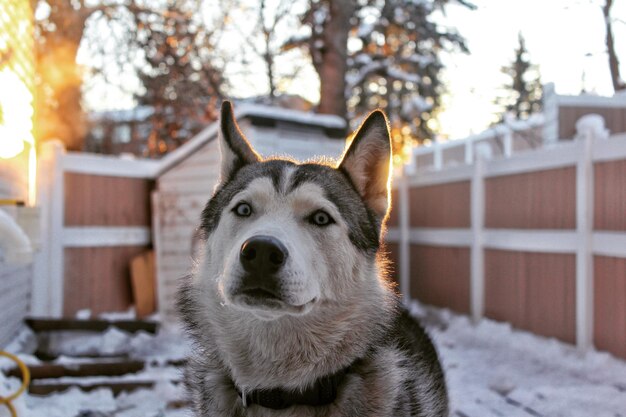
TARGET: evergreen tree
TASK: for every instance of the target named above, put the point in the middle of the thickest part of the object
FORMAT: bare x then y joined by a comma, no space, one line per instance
397,65
381,53
522,94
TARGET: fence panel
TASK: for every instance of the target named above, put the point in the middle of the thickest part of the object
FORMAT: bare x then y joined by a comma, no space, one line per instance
441,276
537,200
610,304
532,291
97,216
610,195
97,200
445,205
537,239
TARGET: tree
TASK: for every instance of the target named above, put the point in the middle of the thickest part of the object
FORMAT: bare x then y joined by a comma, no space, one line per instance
166,44
522,94
181,74
393,61
329,23
258,35
59,32
618,82
59,113
397,65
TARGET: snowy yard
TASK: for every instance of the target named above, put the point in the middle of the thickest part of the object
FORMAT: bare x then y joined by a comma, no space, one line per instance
491,371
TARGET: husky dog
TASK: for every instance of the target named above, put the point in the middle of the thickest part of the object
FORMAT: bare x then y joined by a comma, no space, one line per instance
288,306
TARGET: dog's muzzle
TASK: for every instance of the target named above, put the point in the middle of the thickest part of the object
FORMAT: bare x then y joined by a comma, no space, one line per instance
262,258
263,255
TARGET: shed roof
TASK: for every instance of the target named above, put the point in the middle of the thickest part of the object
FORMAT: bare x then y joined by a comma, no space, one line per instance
333,125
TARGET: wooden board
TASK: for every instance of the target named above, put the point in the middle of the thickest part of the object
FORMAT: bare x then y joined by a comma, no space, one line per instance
610,304
441,205
534,200
44,388
441,276
532,291
53,370
98,279
614,118
96,200
92,325
609,191
143,280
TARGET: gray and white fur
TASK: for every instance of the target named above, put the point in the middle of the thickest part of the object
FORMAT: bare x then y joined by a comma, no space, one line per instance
320,304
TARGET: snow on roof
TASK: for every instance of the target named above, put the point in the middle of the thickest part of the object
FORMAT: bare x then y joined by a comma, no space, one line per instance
591,100
127,115
248,110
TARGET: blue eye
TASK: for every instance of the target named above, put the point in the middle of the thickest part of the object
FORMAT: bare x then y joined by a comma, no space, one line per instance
321,218
243,210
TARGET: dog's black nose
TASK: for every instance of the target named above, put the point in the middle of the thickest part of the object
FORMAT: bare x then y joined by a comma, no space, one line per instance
263,255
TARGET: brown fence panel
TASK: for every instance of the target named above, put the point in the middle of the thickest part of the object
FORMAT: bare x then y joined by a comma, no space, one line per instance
610,195
614,118
533,291
442,205
610,304
441,276
98,278
92,200
537,200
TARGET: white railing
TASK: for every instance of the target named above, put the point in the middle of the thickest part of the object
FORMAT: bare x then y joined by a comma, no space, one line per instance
507,138
502,135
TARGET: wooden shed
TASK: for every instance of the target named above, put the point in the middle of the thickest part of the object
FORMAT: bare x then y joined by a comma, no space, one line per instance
188,176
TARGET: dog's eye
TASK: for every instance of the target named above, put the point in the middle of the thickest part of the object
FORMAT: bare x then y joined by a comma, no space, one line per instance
321,218
243,210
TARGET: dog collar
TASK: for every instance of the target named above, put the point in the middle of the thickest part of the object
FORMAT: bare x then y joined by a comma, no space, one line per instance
322,392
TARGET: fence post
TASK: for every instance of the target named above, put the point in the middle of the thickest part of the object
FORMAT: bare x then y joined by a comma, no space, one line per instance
437,156
477,273
584,253
507,142
404,244
469,151
551,112
47,291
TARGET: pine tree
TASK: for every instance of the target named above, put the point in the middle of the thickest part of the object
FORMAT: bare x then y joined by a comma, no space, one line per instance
393,61
398,65
522,94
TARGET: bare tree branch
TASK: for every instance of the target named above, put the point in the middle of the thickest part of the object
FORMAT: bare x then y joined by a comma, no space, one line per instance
618,82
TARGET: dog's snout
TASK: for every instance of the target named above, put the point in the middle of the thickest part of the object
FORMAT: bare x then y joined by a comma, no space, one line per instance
263,255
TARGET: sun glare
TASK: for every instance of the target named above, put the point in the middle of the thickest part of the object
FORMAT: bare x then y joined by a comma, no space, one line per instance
17,66
16,120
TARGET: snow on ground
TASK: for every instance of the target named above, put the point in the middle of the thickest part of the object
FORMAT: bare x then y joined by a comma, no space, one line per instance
492,370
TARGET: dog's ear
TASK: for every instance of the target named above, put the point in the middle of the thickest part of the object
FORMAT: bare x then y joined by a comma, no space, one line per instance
235,149
367,161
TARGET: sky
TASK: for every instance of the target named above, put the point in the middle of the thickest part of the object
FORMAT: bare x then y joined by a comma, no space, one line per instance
565,38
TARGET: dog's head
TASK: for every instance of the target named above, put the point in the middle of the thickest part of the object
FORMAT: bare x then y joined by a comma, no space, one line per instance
282,238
